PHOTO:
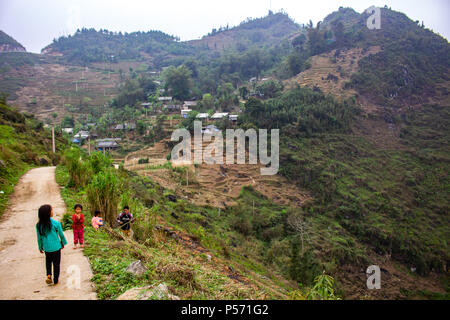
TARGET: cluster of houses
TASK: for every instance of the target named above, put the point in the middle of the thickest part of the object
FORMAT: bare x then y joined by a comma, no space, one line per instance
217,116
185,109
109,144
106,144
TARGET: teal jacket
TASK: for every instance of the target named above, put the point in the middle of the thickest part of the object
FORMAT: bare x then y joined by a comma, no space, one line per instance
51,242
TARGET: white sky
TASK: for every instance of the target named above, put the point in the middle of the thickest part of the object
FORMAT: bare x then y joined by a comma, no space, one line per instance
34,23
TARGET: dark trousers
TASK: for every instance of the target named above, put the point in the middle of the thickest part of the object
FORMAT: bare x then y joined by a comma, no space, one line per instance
55,259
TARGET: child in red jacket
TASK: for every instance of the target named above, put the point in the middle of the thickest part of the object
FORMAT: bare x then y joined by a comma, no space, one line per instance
78,226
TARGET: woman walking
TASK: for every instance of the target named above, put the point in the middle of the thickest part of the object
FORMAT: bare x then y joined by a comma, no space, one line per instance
51,240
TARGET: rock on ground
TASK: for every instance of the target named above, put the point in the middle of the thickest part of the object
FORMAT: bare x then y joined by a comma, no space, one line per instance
160,292
137,268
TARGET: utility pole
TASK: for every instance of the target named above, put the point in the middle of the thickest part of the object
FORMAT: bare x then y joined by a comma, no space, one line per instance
53,139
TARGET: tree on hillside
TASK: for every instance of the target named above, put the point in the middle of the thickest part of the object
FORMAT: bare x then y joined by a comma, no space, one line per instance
208,101
243,92
270,89
67,122
300,226
338,30
299,41
178,81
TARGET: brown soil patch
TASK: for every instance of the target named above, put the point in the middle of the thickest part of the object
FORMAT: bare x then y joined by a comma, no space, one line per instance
215,185
48,87
322,67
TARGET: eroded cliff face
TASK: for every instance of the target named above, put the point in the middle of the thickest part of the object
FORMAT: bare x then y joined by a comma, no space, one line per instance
51,51
11,48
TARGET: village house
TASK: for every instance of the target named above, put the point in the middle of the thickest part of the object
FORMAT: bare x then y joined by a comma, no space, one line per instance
189,104
185,113
210,129
103,145
82,135
173,108
67,130
219,115
164,99
125,126
202,116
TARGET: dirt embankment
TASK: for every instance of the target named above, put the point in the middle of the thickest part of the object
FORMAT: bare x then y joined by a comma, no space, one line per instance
214,184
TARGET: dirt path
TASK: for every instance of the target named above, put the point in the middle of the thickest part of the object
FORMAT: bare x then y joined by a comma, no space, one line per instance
22,265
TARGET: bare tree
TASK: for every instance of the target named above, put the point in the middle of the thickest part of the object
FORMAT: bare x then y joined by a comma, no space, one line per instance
301,226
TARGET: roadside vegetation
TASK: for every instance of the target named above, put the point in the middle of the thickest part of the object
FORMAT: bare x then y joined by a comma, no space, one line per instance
24,144
180,244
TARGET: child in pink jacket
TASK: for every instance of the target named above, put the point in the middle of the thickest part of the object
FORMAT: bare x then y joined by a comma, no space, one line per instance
97,220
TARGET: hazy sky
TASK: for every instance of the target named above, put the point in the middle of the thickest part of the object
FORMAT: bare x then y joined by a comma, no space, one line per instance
34,23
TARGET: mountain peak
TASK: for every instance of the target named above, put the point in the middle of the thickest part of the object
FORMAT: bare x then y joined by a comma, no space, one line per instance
9,44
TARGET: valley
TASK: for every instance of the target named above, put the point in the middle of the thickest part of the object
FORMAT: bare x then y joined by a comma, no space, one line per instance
364,154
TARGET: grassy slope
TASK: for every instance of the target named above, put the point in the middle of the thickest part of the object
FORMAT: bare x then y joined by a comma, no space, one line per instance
182,264
379,202
22,143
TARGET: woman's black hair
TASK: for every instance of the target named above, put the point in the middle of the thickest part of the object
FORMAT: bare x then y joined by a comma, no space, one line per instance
126,207
44,224
96,213
78,206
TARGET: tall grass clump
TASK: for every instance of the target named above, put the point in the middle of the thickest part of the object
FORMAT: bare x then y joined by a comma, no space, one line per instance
103,193
79,170
98,161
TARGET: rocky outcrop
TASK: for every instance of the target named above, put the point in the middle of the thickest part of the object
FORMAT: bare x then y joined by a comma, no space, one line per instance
11,48
52,52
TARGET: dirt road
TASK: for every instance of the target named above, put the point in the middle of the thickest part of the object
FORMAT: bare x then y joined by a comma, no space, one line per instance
22,266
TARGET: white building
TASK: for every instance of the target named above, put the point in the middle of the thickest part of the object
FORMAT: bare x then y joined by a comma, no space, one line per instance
202,116
219,115
82,135
185,112
165,99
68,130
189,104
210,129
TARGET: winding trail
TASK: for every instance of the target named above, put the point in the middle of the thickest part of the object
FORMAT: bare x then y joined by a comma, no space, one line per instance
22,266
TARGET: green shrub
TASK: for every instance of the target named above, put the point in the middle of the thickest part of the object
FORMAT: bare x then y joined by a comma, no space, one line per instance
67,221
103,193
323,288
79,170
